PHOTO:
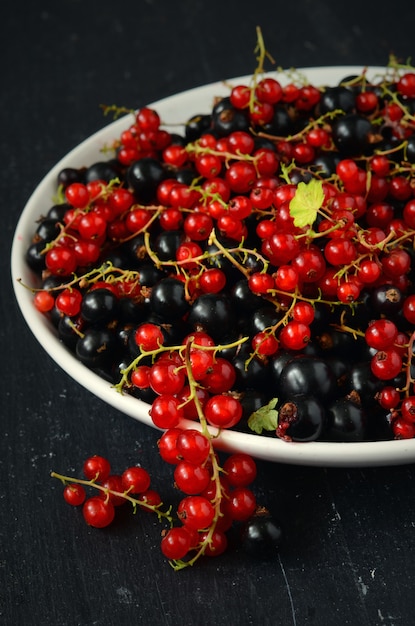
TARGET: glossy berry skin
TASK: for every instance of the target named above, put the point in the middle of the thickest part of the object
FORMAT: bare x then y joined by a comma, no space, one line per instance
240,469
223,411
99,306
191,478
196,512
135,480
193,446
96,468
302,418
176,543
347,421
241,504
308,376
262,536
74,494
97,512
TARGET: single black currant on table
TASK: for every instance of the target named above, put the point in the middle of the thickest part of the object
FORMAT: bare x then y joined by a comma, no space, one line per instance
262,535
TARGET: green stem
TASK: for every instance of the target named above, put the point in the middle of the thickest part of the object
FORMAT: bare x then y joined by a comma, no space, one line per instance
134,501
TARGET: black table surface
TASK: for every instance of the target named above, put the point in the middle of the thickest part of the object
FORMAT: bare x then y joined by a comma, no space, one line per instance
349,553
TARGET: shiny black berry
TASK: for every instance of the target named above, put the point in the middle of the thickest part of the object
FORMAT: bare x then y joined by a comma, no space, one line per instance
168,299
144,176
262,536
351,134
99,305
307,375
213,314
347,421
302,418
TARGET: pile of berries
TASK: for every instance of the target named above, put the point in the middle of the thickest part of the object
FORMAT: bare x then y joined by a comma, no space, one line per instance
256,271
213,500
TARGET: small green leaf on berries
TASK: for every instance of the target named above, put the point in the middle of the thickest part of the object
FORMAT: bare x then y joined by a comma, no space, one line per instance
308,199
265,418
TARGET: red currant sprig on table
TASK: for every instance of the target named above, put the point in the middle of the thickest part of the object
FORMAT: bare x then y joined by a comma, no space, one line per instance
213,496
206,512
133,486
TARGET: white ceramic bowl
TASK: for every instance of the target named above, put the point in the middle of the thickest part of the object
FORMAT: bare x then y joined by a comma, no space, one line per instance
176,110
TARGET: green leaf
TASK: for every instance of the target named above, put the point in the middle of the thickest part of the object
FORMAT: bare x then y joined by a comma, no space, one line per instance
308,199
265,418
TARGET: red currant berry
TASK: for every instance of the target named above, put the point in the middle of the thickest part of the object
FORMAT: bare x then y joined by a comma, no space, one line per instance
77,195
381,334
149,337
265,344
114,484
403,429
386,364
191,478
69,301
166,411
240,469
98,512
43,301
221,376
150,498
269,90
74,494
167,445
193,446
97,468
241,504
408,409
223,411
295,336
260,283
165,377
388,398
61,260
135,480
176,543
241,176
408,309
196,512
217,544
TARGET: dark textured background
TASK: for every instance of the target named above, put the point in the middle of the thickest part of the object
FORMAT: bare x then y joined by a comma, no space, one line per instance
349,553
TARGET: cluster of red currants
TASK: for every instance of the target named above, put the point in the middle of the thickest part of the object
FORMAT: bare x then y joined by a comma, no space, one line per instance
213,497
114,490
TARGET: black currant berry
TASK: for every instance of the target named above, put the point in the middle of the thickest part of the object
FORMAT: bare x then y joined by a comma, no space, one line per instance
99,306
347,421
35,257
307,375
351,134
102,170
302,418
57,212
226,119
386,300
97,347
70,175
197,125
144,176
262,536
168,299
361,380
166,244
214,314
340,98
